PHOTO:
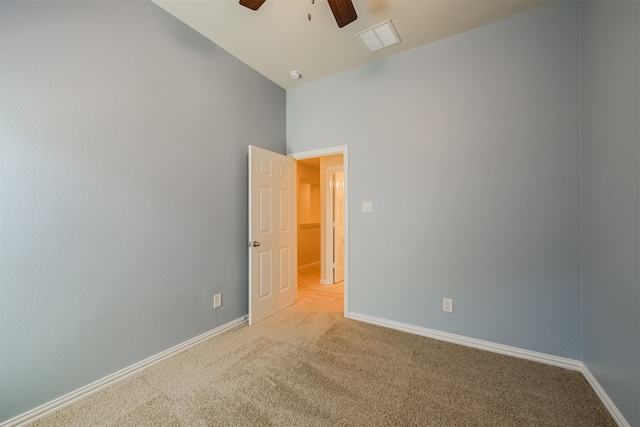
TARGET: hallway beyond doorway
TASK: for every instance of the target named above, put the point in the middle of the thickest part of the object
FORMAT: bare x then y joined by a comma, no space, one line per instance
323,297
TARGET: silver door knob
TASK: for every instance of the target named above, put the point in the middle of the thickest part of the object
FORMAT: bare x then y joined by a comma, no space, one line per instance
256,244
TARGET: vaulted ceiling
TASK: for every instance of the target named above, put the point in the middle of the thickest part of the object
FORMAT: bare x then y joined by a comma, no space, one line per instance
279,37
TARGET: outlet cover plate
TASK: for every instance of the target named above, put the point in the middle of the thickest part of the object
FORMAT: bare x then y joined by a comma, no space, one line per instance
447,305
217,300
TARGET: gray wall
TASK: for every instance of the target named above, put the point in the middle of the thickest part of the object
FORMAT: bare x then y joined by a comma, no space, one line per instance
123,182
610,102
123,189
469,149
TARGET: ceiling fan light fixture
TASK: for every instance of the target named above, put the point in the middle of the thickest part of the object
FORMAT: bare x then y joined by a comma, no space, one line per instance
380,36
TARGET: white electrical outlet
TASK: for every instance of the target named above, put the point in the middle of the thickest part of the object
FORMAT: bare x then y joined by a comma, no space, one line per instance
217,300
367,207
447,305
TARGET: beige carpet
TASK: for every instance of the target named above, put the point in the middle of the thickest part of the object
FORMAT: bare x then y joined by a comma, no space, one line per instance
309,366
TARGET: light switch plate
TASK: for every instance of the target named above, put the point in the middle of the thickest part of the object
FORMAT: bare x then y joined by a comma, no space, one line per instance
367,207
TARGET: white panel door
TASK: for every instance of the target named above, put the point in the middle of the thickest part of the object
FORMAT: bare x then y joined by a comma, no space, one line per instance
338,226
272,233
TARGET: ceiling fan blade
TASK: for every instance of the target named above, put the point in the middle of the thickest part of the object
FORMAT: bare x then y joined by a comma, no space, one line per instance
343,11
252,4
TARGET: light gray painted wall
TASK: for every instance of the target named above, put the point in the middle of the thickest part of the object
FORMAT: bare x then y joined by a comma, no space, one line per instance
469,149
123,187
610,127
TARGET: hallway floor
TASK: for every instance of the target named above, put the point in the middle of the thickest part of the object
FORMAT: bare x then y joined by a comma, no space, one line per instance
328,298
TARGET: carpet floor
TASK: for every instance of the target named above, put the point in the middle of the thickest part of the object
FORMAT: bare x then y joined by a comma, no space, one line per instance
309,366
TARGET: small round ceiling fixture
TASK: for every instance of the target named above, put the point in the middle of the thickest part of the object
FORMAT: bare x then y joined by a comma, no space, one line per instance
295,75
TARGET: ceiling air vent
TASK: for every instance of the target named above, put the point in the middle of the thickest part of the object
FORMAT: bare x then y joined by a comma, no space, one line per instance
380,36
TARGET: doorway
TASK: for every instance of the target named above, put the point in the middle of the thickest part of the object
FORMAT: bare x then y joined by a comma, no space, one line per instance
322,218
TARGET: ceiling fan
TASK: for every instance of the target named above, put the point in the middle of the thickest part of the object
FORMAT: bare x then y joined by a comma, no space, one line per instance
343,10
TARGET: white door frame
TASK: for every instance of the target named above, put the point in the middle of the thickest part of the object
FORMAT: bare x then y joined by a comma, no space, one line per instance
344,150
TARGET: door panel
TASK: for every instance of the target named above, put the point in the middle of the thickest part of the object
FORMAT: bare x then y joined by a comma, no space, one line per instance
285,197
272,246
264,210
284,269
265,274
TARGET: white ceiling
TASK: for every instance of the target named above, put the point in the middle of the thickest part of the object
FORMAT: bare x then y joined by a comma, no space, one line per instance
279,38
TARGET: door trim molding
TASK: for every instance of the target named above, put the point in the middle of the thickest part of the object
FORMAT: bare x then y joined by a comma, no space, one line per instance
328,151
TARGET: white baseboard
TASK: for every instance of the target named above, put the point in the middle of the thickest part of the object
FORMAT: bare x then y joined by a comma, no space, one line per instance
562,362
604,398
574,365
54,405
309,266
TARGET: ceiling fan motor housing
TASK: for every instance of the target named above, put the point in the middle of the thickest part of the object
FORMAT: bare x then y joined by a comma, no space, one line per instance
342,10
